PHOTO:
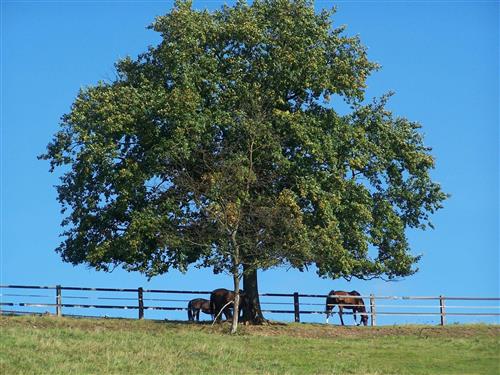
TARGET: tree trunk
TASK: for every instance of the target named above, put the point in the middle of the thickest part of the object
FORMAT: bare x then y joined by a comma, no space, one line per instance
236,303
251,288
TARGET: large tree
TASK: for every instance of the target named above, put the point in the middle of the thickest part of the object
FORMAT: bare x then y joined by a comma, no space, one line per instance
221,146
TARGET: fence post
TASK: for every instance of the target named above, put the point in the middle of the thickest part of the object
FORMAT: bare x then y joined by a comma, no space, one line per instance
296,307
442,310
372,310
58,301
141,303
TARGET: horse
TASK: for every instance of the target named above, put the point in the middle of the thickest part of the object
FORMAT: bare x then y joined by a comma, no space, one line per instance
220,301
346,300
195,306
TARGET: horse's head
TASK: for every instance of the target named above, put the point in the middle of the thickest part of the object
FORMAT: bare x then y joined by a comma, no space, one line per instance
364,319
362,310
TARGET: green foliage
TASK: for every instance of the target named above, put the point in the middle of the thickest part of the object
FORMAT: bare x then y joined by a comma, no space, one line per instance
221,147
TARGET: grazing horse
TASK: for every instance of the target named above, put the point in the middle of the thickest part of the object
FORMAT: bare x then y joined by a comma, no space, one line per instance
195,306
347,300
220,301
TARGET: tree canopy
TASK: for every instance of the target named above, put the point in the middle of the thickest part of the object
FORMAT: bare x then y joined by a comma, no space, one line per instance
222,147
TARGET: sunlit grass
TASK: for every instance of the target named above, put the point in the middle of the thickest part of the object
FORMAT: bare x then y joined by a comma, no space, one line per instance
37,345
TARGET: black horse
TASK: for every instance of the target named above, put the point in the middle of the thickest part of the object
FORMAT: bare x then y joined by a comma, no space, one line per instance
220,303
346,300
195,306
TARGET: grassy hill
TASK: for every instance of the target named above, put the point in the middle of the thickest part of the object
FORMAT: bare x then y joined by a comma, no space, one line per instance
40,345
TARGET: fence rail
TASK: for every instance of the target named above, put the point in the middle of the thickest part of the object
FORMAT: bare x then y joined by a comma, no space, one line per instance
293,300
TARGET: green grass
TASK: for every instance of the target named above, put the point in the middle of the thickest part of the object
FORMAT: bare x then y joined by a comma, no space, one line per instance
40,345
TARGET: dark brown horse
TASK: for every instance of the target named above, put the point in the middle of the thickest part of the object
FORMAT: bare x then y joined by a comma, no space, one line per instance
220,301
195,306
346,300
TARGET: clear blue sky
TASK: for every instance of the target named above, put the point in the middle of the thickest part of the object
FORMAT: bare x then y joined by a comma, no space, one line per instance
441,58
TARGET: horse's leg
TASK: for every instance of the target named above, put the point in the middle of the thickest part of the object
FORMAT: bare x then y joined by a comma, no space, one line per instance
354,314
340,314
197,315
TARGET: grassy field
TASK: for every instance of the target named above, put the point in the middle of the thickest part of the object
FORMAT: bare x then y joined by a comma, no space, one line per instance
41,345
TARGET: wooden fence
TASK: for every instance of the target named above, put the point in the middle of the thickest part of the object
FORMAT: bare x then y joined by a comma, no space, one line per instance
295,302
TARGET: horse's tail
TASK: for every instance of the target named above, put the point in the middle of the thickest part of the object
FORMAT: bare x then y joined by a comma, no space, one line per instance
190,311
330,301
328,306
